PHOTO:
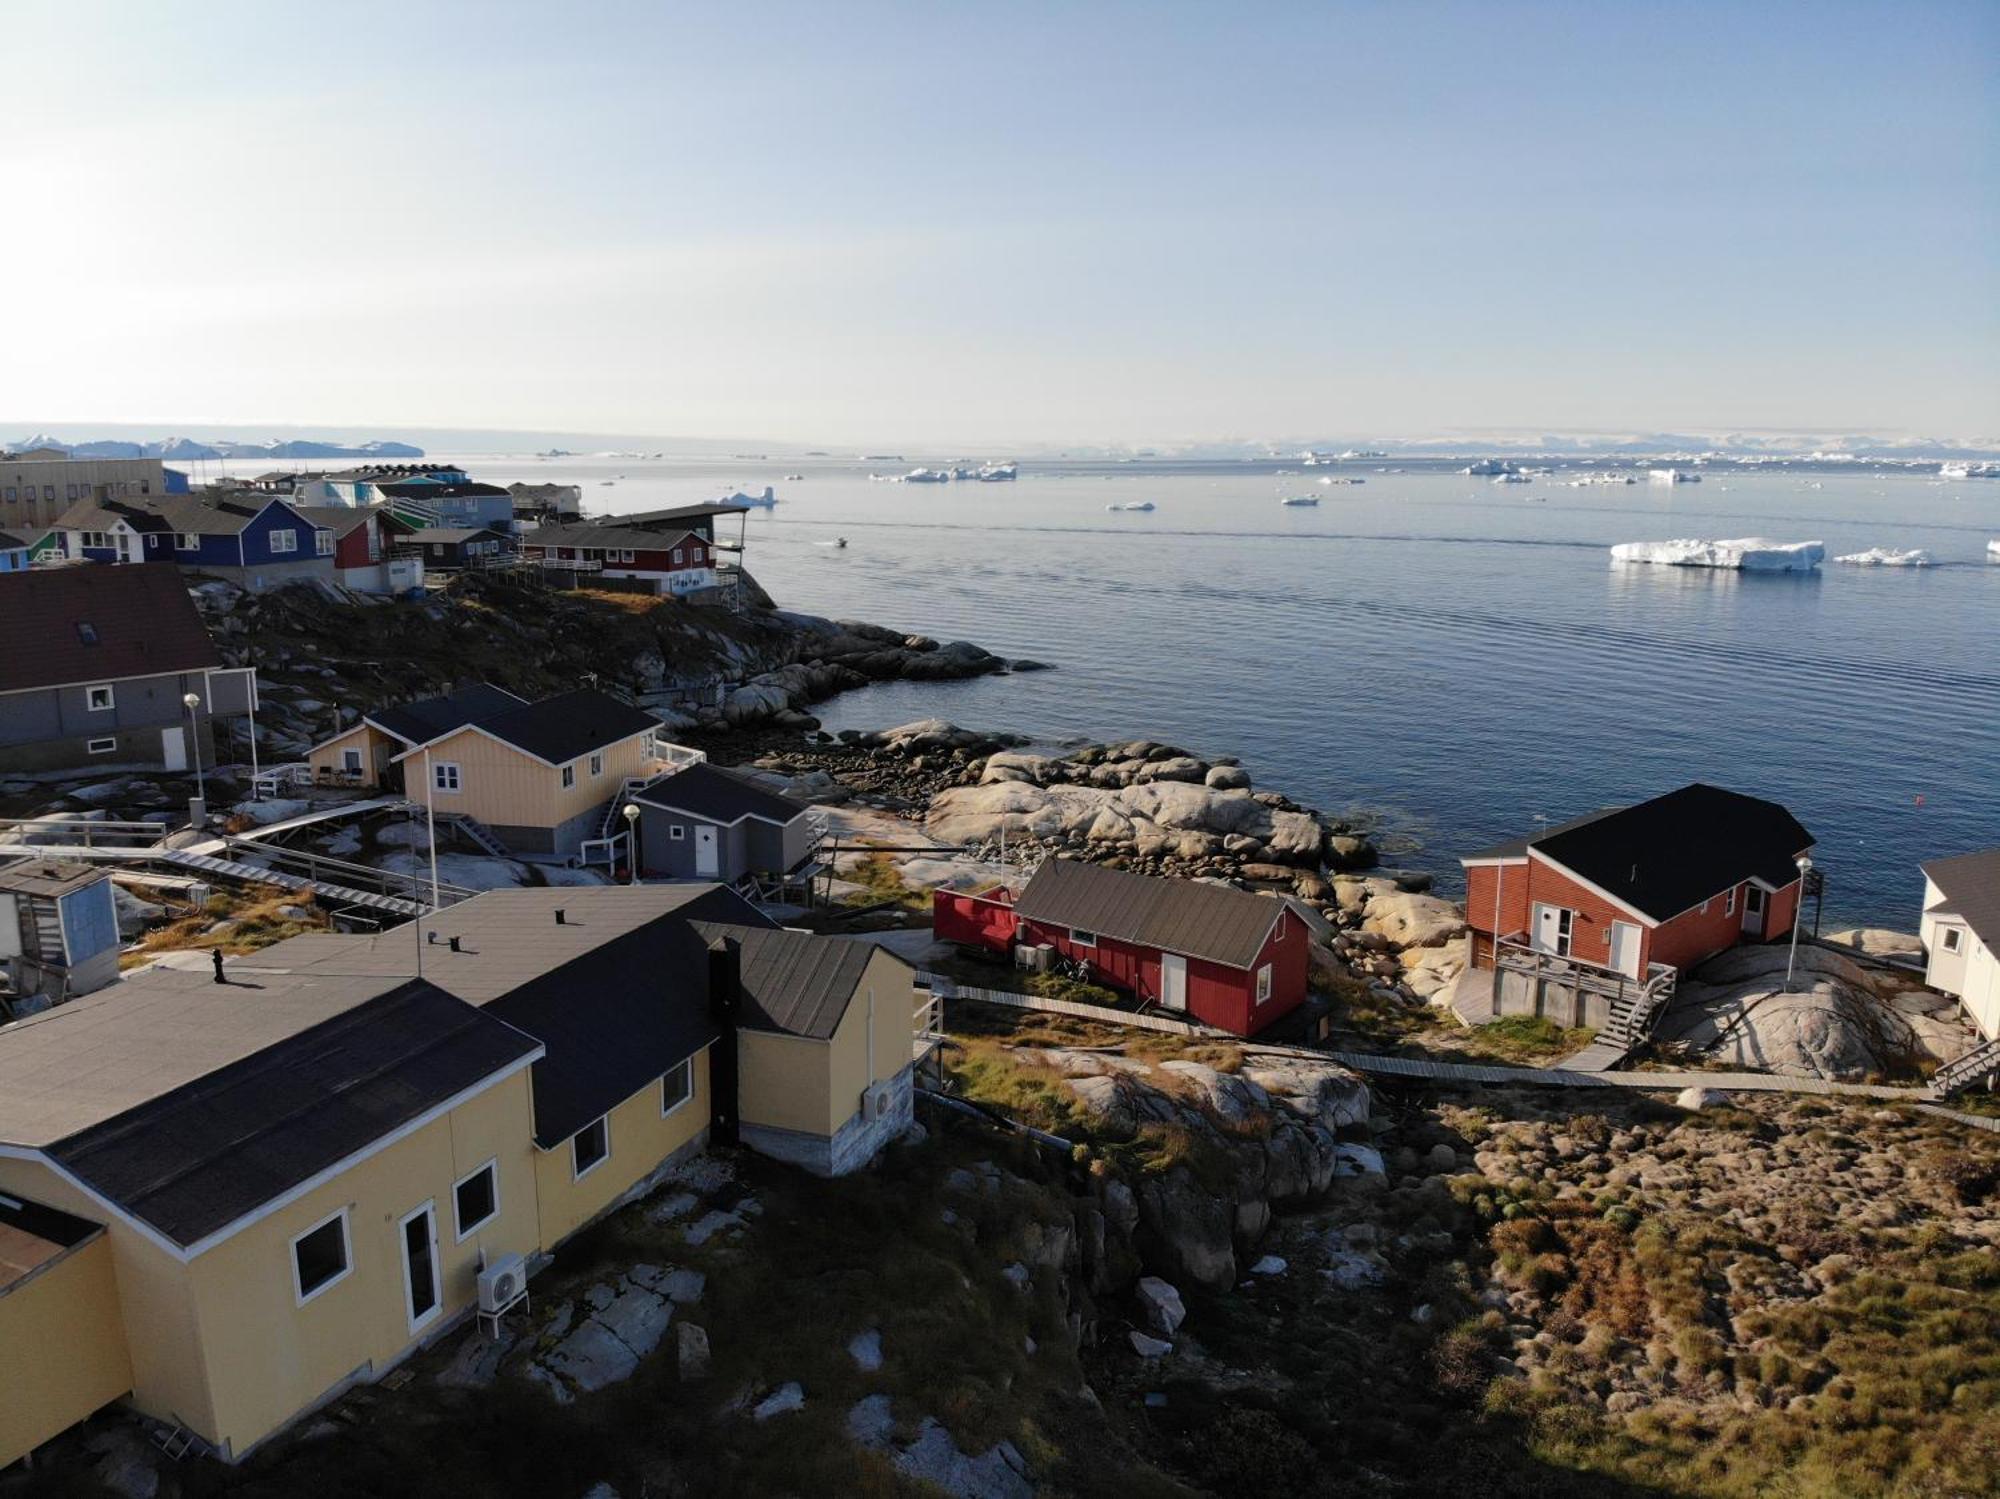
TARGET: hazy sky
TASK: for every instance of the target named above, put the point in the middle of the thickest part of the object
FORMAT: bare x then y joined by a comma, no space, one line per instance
1003,223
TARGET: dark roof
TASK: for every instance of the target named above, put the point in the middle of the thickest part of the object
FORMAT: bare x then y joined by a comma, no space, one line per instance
795,982
677,513
598,537
431,490
621,1014
339,519
426,719
1664,856
1184,916
140,617
717,795
10,542
561,728
205,514
199,1157
1971,886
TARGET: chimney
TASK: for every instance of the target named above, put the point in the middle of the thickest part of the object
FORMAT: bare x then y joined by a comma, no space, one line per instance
725,1002
559,916
431,938
455,947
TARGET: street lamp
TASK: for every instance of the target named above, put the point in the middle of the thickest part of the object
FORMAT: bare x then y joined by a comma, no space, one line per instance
193,701
1798,910
631,816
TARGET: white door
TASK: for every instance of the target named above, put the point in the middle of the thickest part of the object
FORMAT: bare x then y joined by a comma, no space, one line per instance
1551,929
1625,948
173,748
707,861
420,1266
1173,981
1753,911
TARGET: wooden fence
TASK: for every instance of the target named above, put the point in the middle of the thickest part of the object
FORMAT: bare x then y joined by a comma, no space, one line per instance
945,988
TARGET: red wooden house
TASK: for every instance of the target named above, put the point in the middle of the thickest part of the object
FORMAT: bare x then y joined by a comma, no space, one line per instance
1227,958
1641,889
671,562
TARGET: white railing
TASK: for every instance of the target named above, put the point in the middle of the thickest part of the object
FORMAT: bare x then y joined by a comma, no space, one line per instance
273,779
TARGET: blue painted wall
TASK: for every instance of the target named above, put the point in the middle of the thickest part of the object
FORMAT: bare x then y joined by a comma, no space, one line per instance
89,921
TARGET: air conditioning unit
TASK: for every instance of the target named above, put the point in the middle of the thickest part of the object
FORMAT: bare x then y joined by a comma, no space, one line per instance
876,1102
502,1283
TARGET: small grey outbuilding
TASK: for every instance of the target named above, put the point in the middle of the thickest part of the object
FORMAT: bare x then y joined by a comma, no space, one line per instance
707,823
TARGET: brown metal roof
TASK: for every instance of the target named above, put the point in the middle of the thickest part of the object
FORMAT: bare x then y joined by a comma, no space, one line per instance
1971,886
98,624
1183,916
53,878
796,982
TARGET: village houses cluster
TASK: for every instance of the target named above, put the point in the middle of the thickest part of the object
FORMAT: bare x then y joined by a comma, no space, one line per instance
231,1189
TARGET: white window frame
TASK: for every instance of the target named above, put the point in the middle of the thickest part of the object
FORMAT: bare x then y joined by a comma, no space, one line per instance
1950,938
603,1120
677,833
684,1068
597,764
446,777
677,556
104,745
323,543
1264,984
1729,902
1081,938
569,776
301,1295
464,1231
186,541
350,762
428,1208
283,541
91,703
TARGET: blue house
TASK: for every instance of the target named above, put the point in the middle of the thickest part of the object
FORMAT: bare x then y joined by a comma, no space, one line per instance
257,540
13,553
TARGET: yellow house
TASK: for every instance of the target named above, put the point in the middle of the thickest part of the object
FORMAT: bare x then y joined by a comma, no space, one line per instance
58,1290
364,755
299,1179
825,1035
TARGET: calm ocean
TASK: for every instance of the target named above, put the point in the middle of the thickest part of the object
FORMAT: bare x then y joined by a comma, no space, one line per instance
1443,656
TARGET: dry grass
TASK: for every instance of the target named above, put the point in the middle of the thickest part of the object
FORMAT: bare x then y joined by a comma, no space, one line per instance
881,881
256,918
624,603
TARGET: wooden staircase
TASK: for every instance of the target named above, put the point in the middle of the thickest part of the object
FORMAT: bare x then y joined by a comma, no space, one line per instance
1635,1012
1980,1065
479,834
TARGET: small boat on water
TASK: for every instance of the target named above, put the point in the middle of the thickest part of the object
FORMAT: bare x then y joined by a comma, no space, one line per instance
1300,499
1133,505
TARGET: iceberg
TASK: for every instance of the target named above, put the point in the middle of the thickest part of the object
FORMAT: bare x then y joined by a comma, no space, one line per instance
1993,551
1889,557
1749,554
762,501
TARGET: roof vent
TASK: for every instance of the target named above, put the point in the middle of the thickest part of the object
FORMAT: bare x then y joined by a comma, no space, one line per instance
454,945
1633,877
559,916
431,937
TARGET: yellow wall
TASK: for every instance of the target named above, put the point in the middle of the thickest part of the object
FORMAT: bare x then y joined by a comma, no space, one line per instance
270,1357
640,1140
65,1347
503,787
789,1082
162,1337
374,745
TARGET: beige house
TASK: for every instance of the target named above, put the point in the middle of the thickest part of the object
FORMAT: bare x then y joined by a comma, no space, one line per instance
1960,931
365,754
239,1196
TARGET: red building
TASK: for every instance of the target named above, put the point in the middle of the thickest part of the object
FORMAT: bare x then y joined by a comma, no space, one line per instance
1660,885
1225,957
677,562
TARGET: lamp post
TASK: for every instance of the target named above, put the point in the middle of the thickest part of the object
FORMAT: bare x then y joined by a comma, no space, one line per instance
1798,909
191,702
631,816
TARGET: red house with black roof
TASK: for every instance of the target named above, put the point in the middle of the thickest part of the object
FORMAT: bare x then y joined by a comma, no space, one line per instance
1636,890
673,560
1225,957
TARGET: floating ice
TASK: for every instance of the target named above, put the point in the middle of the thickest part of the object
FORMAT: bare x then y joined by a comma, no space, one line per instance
1993,551
1750,554
1889,557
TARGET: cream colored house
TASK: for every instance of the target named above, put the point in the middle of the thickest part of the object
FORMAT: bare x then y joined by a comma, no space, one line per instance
364,754
1960,932
262,1257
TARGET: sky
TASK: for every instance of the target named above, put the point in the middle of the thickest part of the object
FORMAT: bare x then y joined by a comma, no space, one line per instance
1003,224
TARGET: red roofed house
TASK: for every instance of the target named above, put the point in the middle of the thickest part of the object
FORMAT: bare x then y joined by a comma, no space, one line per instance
1637,893
1224,957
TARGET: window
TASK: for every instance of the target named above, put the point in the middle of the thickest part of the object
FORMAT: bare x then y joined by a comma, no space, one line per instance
323,543
48,491
597,764
568,776
13,494
588,1148
350,761
1564,927
476,1198
98,699
101,746
1753,901
187,541
1952,936
86,632
1082,938
284,541
444,776
319,1256
71,492
1263,983
676,833
1729,902
677,556
677,1087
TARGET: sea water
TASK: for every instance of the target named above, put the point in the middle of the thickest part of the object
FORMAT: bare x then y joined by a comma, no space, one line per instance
1448,659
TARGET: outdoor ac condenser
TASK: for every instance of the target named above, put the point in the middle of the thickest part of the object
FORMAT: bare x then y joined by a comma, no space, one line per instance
501,1283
